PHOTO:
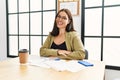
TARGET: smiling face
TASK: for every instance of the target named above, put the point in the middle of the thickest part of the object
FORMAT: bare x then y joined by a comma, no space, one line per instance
62,20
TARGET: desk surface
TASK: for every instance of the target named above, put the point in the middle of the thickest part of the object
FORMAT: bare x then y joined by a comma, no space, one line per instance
11,70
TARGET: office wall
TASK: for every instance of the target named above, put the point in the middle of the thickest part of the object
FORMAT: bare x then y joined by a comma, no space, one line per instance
3,42
77,20
77,23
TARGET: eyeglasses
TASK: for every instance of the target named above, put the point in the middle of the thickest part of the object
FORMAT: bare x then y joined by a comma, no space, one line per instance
62,17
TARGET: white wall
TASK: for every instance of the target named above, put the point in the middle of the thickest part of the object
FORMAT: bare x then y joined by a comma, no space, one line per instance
77,21
3,35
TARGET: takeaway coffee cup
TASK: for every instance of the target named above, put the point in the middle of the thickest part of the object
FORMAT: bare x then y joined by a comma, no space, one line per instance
23,56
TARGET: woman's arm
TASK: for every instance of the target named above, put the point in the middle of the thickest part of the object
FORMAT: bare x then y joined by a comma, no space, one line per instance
76,50
45,49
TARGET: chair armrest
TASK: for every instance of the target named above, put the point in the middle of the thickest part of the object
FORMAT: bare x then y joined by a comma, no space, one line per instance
86,54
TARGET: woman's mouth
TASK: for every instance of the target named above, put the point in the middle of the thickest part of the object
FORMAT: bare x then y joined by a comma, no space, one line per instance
60,23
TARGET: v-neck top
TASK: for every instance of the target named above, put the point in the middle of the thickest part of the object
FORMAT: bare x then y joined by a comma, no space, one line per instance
61,46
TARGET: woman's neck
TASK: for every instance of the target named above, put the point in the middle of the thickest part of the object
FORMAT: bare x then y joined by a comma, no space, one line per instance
62,31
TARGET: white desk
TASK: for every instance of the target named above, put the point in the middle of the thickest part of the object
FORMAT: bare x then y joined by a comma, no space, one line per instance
11,70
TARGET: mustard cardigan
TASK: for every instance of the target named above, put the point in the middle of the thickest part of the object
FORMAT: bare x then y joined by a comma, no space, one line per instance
73,43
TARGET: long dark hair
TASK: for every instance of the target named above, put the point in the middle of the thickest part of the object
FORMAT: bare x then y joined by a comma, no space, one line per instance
69,27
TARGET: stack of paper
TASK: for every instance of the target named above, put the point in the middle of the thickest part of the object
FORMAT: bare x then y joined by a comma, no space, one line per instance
57,64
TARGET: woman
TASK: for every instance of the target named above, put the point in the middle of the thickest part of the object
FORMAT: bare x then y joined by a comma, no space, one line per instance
63,41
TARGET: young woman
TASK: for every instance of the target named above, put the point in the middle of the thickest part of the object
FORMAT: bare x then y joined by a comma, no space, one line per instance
63,42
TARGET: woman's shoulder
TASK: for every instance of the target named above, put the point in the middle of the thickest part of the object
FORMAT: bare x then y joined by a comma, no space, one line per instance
73,33
49,35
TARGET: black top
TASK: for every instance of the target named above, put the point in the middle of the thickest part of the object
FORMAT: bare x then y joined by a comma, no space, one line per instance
61,46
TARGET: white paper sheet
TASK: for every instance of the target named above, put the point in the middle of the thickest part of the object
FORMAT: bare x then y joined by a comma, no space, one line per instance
59,65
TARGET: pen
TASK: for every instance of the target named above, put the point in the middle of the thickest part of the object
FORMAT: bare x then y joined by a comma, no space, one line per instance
57,59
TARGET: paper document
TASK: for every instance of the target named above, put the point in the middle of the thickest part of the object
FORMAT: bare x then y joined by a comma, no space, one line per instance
38,61
57,64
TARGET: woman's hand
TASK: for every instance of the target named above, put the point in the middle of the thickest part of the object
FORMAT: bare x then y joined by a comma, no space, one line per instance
63,52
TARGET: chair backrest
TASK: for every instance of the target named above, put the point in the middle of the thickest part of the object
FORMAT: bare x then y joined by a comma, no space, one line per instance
86,54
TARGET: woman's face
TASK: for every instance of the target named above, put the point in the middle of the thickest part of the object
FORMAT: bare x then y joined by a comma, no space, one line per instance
62,20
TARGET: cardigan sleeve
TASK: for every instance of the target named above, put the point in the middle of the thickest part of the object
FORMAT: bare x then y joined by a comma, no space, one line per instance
45,49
